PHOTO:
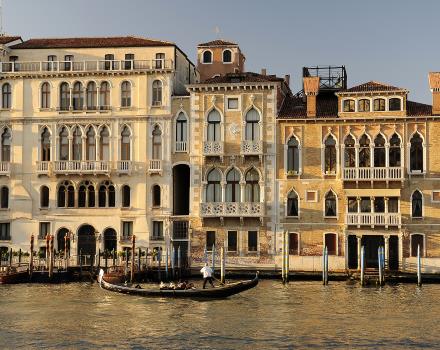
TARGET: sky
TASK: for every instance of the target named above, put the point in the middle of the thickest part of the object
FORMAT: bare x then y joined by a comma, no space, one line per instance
391,41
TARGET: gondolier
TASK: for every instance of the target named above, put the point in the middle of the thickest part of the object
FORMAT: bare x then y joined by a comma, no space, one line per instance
207,275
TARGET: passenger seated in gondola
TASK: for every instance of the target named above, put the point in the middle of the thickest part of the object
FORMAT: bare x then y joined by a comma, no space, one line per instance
181,285
162,285
172,286
189,285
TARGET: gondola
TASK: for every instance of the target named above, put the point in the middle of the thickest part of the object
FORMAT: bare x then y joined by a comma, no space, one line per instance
211,293
11,275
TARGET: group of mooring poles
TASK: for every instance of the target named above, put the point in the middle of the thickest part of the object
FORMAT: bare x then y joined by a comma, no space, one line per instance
173,268
213,258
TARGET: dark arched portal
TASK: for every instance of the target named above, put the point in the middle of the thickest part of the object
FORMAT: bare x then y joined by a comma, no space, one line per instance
87,242
110,241
181,185
61,240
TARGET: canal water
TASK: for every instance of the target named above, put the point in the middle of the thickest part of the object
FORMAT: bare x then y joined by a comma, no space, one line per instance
271,316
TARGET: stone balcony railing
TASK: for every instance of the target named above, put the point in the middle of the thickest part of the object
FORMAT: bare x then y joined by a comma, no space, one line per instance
123,166
232,209
213,148
43,167
372,174
85,66
251,147
82,167
5,168
155,166
373,219
181,146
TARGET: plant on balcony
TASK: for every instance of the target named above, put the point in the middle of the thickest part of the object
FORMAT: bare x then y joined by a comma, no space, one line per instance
292,173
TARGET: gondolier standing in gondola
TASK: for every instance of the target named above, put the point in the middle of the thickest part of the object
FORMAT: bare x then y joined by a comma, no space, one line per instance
207,275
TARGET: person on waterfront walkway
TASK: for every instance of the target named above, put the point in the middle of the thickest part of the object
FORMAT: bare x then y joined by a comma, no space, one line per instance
207,275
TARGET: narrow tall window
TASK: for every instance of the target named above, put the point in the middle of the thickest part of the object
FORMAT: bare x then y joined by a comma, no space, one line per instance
44,197
210,240
227,56
104,96
293,244
160,61
156,196
364,105
417,204
364,152
394,152
181,128
293,155
252,241
157,143
416,242
233,186
91,144
77,144
158,230
68,59
213,188
129,61
252,186
157,93
6,96
349,152
292,204
64,144
45,95
330,155
348,106
214,126
252,125
127,229
207,57
232,241
109,61
64,97
416,153
6,145
91,95
379,151
104,139
126,196
125,144
126,94
77,96
330,241
45,145
4,200
106,194
330,204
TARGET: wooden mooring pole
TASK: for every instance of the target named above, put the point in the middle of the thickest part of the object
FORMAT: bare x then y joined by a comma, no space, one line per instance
51,257
222,265
166,263
173,263
379,260
159,258
179,262
31,257
66,259
362,265
133,251
419,267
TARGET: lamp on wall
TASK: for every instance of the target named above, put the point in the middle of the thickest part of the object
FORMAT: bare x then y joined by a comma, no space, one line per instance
72,236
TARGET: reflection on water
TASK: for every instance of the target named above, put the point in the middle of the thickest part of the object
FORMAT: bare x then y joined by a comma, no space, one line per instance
302,314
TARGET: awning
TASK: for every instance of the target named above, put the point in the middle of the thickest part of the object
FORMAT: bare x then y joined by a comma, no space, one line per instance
373,192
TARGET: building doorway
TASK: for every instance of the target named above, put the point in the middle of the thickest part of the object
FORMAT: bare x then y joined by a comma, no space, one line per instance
87,243
371,245
352,252
61,239
110,240
181,185
393,262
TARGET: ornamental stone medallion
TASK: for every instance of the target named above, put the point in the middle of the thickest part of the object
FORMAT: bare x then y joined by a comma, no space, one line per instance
234,129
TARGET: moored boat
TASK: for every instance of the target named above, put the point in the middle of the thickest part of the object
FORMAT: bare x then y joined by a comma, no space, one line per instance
11,275
212,293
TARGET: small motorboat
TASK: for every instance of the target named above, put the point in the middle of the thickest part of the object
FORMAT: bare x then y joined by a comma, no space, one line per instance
12,274
211,293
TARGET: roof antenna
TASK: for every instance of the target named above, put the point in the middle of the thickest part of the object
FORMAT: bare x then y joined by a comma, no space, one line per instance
216,30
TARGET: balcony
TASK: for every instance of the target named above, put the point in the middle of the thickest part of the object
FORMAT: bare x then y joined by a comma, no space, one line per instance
213,148
373,219
232,209
43,167
156,238
85,66
251,148
5,168
82,167
155,166
126,239
123,166
373,174
181,146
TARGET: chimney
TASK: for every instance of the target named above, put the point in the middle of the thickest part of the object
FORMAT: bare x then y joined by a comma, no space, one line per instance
311,89
263,71
434,84
287,79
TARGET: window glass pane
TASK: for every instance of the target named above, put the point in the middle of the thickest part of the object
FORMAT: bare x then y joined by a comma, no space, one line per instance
232,103
252,241
232,241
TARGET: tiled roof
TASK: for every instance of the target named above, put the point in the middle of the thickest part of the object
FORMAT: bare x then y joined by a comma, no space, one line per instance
8,39
90,42
327,107
247,77
373,86
218,43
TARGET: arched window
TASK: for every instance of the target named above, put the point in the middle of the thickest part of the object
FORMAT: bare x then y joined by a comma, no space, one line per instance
44,197
331,242
104,139
233,186
364,152
156,196
45,95
214,126
252,186
64,144
77,144
6,145
104,95
293,154
379,104
45,145
227,56
157,93
292,204
181,128
417,240
6,96
213,188
394,104
66,195
126,94
348,106
125,143
417,204
91,95
86,195
379,151
82,196
106,195
364,105
207,57
125,196
349,152
330,155
4,200
416,153
157,143
330,204
64,96
77,96
252,125
91,144
394,152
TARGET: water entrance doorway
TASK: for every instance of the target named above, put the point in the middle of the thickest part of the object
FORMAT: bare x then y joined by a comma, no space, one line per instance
371,244
86,244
